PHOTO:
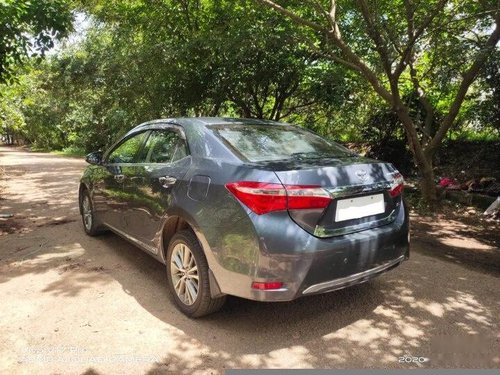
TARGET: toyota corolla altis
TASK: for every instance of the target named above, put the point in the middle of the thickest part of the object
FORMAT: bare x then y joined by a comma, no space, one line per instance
255,209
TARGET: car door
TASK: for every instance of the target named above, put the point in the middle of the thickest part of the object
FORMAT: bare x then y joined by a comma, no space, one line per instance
118,165
166,161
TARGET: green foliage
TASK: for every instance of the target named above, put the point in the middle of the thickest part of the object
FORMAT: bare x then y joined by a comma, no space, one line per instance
28,28
482,113
72,151
146,59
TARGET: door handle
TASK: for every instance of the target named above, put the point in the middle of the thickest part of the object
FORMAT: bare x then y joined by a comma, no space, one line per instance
167,181
119,177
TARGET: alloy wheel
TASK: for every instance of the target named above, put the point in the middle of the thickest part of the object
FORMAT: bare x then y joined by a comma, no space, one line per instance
184,273
87,212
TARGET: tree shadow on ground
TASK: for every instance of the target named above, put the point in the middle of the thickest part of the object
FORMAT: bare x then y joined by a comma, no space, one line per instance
426,308
46,189
415,310
453,241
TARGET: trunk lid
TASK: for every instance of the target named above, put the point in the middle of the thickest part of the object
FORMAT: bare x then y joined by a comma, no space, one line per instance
359,188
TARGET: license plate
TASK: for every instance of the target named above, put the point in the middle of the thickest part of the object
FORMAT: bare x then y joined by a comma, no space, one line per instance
355,208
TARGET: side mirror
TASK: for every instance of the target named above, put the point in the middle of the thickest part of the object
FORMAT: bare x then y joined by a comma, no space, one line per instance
94,158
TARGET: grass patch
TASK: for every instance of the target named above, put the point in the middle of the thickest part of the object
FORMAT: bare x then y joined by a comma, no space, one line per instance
414,199
72,151
475,136
34,148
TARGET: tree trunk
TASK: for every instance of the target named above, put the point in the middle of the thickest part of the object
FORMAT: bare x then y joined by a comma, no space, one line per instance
422,159
428,186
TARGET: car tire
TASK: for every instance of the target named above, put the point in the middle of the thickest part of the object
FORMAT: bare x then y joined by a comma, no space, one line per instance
88,216
181,265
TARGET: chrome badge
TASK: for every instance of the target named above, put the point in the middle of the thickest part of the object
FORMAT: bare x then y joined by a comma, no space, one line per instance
362,175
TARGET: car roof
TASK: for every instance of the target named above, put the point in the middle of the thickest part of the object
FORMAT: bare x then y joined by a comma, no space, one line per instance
197,122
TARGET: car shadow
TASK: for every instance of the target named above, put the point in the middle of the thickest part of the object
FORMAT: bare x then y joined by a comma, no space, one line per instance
239,319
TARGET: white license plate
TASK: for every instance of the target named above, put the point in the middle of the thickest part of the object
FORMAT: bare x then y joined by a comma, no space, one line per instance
355,208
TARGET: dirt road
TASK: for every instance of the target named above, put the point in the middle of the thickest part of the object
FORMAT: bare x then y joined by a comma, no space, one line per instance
74,304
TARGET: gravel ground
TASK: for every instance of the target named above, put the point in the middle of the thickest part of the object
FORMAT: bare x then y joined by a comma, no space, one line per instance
75,304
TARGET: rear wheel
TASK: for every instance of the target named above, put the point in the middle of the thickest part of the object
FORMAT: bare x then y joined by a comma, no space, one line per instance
187,271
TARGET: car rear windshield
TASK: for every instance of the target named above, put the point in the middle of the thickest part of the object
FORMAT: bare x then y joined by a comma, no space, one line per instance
277,142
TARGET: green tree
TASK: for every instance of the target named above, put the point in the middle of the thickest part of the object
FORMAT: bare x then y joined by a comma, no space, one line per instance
484,112
146,59
213,57
29,28
435,48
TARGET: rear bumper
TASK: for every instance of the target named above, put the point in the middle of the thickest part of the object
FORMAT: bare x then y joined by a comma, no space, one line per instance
279,250
322,275
358,278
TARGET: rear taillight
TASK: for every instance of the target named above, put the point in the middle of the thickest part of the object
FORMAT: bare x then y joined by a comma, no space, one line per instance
262,197
397,185
306,196
259,197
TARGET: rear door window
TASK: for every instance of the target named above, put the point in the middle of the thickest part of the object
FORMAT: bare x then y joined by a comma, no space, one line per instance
165,146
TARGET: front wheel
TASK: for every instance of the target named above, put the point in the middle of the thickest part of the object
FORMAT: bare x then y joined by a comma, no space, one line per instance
187,271
88,216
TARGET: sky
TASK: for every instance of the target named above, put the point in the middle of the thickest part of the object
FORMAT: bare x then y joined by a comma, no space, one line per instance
81,24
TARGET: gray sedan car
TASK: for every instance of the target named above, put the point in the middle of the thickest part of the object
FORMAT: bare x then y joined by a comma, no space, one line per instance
255,209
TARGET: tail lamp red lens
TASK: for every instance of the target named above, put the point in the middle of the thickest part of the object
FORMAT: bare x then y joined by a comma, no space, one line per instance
397,185
262,197
267,286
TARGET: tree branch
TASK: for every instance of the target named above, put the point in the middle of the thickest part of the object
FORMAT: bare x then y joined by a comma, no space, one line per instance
376,36
429,109
413,39
292,15
370,76
294,108
319,8
351,60
333,19
468,78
